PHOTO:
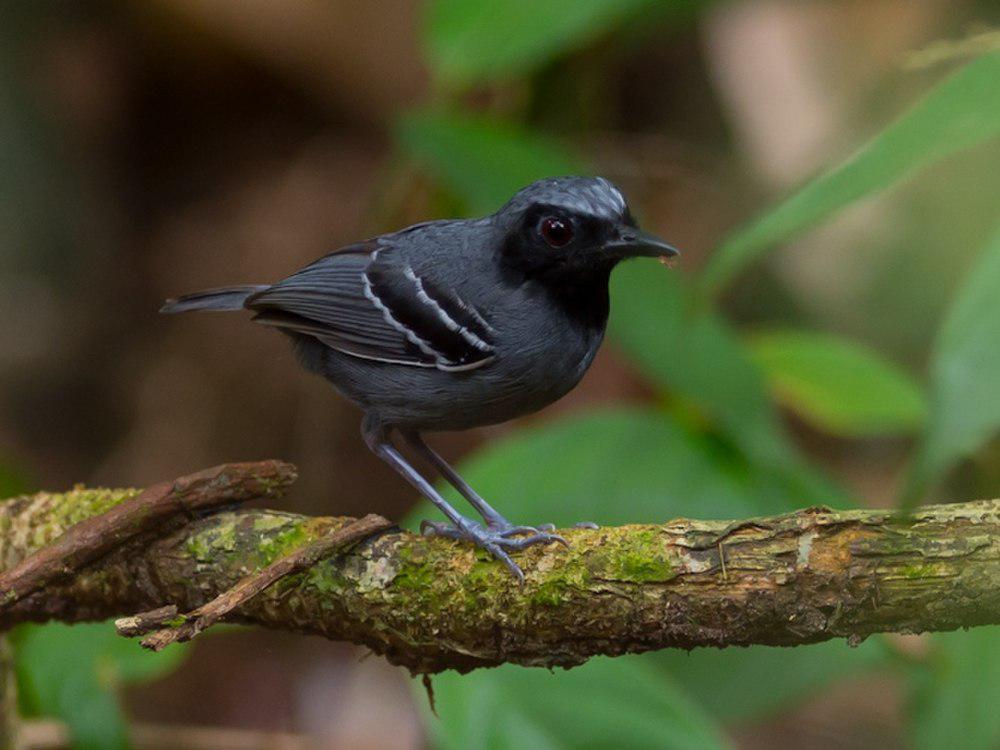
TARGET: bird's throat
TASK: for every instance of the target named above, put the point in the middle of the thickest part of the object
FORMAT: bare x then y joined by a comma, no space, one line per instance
581,295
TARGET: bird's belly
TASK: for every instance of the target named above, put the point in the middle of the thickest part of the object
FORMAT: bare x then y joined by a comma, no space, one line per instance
429,399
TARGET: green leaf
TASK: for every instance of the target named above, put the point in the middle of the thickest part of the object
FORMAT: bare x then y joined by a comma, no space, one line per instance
955,699
469,41
604,703
965,372
74,672
957,114
694,354
481,160
838,385
725,681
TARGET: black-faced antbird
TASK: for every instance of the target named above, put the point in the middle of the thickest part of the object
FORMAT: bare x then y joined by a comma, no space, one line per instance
448,325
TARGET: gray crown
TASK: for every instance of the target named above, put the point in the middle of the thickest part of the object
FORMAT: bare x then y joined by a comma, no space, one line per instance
586,195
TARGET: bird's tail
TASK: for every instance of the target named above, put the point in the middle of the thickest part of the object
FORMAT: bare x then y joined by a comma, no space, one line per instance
226,298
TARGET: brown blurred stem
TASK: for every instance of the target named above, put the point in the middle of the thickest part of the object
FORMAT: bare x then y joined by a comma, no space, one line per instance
432,604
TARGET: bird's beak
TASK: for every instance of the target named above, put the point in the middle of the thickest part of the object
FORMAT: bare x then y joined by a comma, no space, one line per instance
634,243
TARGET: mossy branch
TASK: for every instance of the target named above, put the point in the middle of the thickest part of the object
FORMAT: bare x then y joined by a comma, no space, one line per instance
432,604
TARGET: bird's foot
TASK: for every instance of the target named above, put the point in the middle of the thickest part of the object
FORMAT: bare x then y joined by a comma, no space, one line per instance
511,530
497,539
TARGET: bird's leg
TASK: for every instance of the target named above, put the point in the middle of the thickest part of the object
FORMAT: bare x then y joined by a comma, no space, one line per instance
377,438
492,517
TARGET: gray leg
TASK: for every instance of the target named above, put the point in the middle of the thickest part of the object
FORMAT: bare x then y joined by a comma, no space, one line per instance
489,514
492,517
377,438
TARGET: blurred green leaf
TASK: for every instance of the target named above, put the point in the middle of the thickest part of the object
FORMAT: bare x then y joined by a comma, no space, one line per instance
483,161
470,41
693,353
74,673
604,703
836,384
965,371
723,680
955,698
957,114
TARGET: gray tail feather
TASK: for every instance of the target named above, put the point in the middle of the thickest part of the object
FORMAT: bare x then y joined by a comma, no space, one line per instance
226,298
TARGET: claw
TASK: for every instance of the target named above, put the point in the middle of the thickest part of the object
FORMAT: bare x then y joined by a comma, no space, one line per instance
510,531
540,538
503,557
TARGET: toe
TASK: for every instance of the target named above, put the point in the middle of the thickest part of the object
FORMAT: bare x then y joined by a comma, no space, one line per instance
437,528
528,541
510,531
501,555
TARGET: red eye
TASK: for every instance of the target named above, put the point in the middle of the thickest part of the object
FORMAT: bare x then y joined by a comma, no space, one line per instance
557,232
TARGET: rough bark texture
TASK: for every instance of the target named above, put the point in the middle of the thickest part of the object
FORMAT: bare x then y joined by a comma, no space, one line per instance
250,587
149,510
433,604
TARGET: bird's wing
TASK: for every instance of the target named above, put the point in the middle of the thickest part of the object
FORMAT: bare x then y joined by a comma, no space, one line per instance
367,301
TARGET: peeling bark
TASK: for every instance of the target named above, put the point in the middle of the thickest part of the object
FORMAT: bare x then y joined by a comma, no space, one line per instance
432,604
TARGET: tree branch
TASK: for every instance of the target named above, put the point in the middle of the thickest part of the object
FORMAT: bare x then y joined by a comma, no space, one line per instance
432,604
149,509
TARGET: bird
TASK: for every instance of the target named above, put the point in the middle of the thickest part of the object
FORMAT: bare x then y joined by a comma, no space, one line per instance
457,323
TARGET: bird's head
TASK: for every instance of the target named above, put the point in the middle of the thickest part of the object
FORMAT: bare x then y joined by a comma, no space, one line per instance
571,226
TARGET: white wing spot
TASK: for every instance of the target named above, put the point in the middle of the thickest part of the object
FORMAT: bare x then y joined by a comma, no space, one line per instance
424,346
445,318
475,314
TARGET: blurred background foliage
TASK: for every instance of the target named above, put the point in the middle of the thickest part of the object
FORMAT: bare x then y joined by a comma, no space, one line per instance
830,170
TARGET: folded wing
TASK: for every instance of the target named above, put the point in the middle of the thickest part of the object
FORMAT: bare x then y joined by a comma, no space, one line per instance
366,301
